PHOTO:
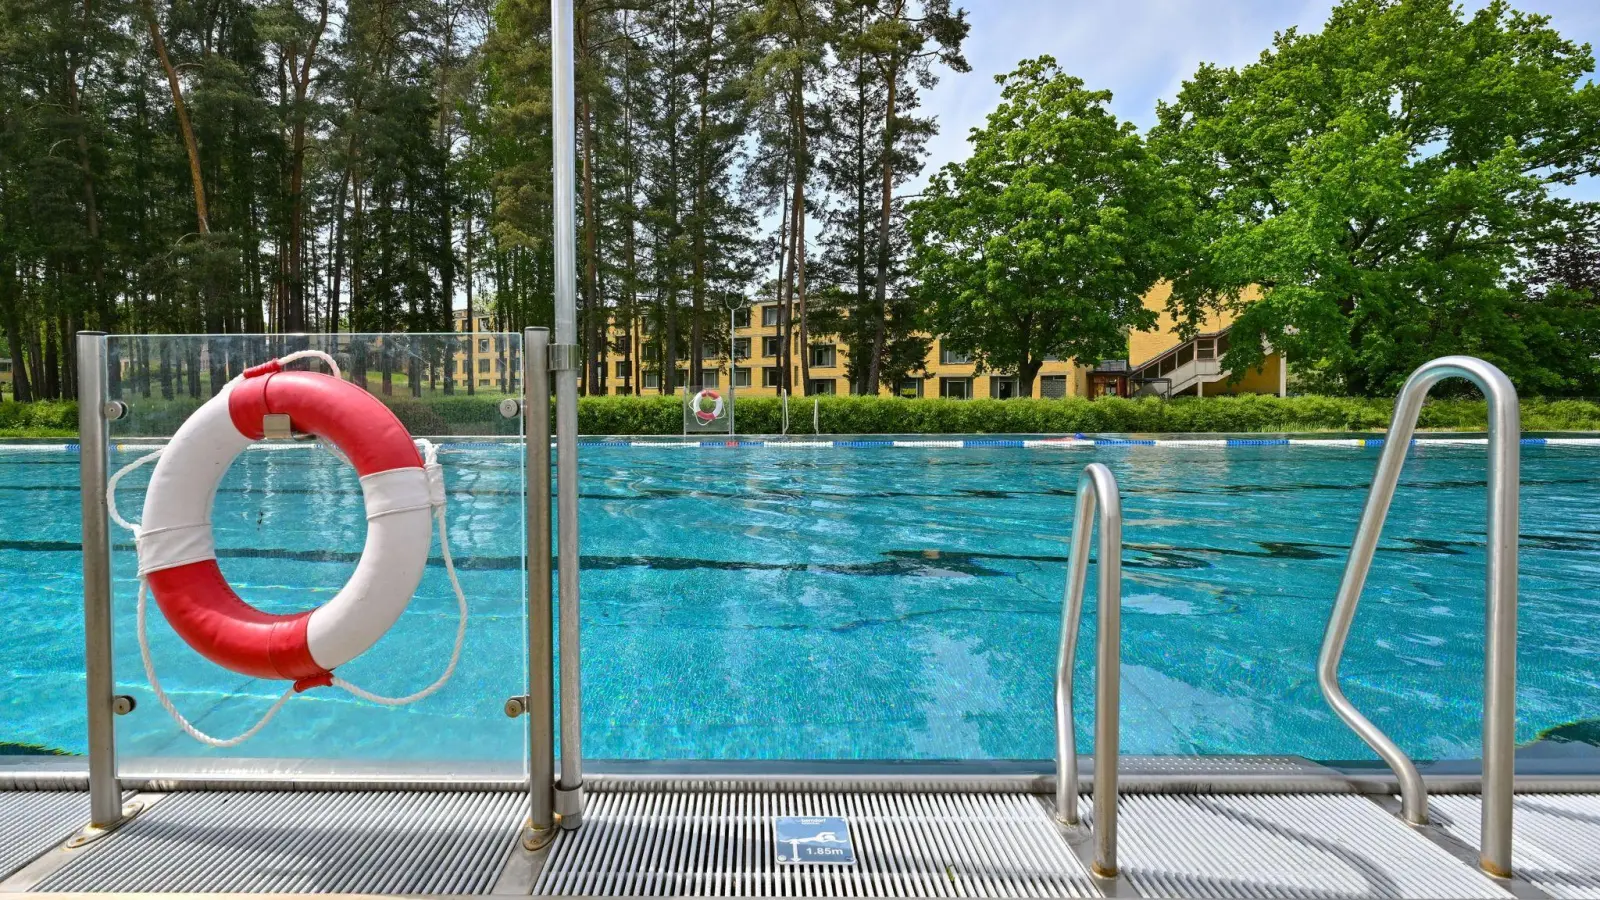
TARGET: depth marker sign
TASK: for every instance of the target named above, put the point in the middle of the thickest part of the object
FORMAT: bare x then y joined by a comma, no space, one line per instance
813,840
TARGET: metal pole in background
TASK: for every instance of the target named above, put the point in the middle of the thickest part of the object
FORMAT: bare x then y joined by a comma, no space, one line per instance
733,376
564,362
105,792
541,658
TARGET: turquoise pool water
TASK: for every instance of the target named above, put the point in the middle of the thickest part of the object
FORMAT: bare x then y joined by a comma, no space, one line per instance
855,604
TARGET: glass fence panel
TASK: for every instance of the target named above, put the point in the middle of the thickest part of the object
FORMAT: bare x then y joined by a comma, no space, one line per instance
892,603
290,526
41,596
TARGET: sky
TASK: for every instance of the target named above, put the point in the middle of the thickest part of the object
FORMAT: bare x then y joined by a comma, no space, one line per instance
1142,50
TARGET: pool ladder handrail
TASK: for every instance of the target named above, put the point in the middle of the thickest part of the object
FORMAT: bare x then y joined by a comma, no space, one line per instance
1097,492
1500,665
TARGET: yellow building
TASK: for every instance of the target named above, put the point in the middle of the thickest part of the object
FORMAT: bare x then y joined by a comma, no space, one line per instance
7,386
1158,362
487,361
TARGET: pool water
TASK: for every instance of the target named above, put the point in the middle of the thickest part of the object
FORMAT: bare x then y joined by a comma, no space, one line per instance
836,603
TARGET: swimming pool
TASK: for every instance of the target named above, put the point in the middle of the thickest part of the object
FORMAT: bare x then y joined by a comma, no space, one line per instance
836,603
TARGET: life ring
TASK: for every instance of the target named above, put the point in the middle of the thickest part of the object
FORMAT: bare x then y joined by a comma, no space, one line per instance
706,418
177,552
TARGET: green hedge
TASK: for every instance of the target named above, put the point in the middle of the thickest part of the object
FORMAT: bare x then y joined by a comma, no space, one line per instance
1243,414
888,415
47,418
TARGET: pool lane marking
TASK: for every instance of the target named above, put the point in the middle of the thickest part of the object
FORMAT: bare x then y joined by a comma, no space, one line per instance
968,444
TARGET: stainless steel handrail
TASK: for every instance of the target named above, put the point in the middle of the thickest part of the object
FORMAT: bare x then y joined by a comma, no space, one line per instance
1097,491
1500,664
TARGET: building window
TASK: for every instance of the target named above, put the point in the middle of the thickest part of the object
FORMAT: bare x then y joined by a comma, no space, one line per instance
741,348
741,317
1205,348
823,356
1053,387
823,386
952,358
770,346
741,377
1003,387
464,367
621,343
622,369
483,382
769,377
910,387
769,315
483,345
483,324
679,379
483,367
652,380
500,365
499,344
955,388
622,390
710,378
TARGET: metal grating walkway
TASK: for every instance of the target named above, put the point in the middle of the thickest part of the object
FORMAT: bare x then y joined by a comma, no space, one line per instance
32,822
1556,838
381,842
1283,845
907,845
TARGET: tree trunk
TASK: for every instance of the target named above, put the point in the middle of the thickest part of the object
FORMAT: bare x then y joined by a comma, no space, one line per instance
22,387
593,383
886,210
192,148
295,319
801,162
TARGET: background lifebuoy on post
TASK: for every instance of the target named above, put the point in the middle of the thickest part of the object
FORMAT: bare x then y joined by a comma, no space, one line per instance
706,412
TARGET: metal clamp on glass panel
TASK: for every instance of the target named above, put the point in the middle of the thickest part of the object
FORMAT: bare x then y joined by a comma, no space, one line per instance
1500,664
1097,491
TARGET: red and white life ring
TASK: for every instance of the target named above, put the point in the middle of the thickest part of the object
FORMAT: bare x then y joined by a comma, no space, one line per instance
177,552
703,416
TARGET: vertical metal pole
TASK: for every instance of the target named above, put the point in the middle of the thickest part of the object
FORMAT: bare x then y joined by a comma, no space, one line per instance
569,790
733,375
105,792
541,656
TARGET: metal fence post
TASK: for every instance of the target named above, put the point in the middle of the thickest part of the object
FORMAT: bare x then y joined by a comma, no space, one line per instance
541,660
105,791
564,361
